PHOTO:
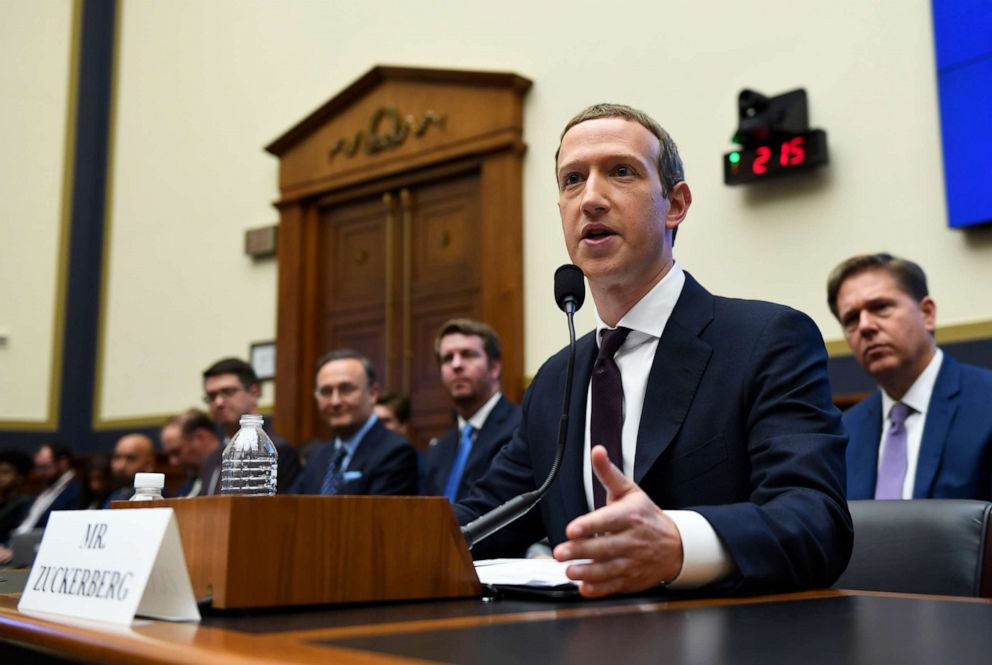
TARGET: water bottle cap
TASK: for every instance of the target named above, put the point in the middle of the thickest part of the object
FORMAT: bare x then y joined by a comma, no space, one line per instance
251,419
149,480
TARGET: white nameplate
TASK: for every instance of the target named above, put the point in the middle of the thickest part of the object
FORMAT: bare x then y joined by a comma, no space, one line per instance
109,565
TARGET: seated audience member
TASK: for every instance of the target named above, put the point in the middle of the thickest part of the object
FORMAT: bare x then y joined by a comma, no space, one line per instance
393,411
927,433
231,390
188,439
362,457
59,489
97,483
470,358
15,465
134,453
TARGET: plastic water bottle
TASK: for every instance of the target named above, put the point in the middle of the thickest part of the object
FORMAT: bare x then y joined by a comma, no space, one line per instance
148,486
249,463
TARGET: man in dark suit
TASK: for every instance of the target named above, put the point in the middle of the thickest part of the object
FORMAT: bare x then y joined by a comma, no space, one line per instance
726,456
935,437
471,360
363,457
230,390
188,439
60,486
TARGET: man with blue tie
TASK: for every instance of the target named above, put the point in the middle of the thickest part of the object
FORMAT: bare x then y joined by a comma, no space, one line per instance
927,433
471,361
362,457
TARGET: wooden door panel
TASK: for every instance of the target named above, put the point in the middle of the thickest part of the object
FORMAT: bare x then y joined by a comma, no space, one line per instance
445,242
354,255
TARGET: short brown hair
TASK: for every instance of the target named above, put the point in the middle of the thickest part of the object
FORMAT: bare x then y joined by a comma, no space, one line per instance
398,404
909,277
191,420
347,354
245,372
490,340
669,162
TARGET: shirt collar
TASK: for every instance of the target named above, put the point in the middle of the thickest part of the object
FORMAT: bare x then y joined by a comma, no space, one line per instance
352,443
478,418
647,318
918,395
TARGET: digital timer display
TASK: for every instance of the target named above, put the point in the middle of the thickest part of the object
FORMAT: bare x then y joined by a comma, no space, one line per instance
782,154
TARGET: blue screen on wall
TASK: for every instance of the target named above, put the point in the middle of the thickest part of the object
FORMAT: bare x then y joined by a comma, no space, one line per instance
963,40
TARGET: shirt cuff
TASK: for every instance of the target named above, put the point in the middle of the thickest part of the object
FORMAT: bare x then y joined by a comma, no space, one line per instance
705,560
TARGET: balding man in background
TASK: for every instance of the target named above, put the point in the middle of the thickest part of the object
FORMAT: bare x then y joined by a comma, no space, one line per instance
134,453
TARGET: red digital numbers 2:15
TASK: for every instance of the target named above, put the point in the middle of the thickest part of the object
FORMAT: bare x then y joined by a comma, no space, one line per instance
791,153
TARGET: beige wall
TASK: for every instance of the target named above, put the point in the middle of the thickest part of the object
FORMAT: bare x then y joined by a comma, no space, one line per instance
35,40
203,86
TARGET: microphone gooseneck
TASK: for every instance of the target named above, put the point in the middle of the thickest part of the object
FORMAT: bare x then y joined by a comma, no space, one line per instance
570,293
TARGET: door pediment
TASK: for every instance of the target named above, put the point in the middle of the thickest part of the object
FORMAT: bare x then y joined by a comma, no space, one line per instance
394,119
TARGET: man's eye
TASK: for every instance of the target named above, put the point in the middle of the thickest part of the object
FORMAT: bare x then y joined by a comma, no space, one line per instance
570,179
623,171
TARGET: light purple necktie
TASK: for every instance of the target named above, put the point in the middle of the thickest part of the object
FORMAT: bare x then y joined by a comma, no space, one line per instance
892,471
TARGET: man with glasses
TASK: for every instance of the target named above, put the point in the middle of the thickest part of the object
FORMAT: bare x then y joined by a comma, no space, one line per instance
362,457
231,390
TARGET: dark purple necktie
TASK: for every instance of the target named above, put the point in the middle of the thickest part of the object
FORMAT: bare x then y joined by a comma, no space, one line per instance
892,470
606,424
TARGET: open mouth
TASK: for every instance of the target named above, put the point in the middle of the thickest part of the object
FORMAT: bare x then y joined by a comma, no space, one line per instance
596,232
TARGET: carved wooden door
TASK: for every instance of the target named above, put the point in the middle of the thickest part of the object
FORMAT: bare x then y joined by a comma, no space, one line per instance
394,267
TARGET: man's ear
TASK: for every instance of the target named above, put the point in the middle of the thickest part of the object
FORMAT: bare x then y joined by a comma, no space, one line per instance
928,307
679,200
496,369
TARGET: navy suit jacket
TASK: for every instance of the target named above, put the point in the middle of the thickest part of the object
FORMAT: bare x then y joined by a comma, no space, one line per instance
955,459
496,432
738,425
386,462
68,499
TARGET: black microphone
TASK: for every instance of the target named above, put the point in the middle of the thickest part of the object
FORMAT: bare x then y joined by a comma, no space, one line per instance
570,292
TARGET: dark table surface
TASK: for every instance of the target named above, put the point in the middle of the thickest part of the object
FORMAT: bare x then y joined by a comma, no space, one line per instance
815,627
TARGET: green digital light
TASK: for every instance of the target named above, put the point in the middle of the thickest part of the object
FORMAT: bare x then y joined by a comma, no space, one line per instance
735,158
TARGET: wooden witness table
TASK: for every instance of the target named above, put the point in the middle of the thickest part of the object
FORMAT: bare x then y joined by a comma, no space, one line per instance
827,626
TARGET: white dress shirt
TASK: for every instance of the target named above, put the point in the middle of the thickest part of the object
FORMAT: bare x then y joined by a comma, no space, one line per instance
705,559
479,418
918,399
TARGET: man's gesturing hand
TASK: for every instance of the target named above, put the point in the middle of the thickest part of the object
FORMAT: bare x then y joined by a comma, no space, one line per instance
633,544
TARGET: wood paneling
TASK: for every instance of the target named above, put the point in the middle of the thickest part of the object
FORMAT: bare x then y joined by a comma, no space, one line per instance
379,246
284,551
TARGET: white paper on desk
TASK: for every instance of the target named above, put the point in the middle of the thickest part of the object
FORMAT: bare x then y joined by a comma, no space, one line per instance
108,565
525,572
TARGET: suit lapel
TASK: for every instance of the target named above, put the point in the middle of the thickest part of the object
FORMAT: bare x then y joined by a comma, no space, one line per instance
679,363
865,430
571,478
940,412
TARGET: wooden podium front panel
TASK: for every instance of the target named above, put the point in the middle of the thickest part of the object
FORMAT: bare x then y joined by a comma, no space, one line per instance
301,550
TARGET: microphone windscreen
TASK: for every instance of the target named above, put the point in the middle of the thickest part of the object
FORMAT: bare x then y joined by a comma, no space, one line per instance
569,286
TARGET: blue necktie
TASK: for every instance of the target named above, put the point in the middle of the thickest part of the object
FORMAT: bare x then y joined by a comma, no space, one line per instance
332,479
454,479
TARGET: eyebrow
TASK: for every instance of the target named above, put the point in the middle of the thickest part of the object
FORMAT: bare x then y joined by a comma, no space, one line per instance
613,157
